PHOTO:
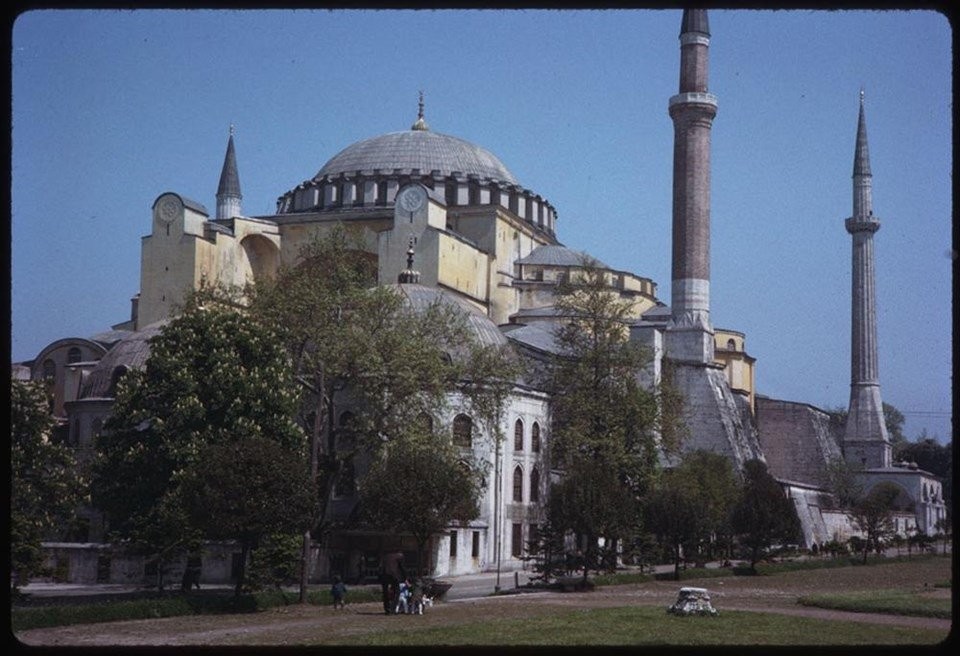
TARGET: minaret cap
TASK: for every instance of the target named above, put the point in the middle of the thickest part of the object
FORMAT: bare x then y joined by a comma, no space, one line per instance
229,186
861,158
420,124
695,20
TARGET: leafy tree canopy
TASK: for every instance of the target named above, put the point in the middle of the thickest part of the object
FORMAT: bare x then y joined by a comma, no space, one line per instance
247,489
420,484
601,410
45,487
213,377
764,515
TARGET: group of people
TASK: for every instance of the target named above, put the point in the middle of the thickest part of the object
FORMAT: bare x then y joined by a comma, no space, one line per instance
406,598
400,596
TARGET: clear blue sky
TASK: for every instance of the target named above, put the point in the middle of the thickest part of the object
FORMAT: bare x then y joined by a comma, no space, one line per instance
112,108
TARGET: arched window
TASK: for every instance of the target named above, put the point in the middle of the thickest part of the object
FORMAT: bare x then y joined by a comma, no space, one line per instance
535,484
49,369
74,355
518,484
535,438
426,422
463,431
346,422
95,427
731,345
518,435
345,485
345,427
118,373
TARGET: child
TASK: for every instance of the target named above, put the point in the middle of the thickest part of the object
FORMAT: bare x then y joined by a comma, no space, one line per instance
338,591
403,598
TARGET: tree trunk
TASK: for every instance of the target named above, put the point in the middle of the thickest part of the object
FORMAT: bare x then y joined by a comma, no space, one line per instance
244,552
676,561
314,446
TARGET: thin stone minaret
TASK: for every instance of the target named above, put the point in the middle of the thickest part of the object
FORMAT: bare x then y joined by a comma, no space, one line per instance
865,441
690,334
228,191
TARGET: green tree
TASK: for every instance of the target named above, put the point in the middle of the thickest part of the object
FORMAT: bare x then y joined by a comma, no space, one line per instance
605,421
246,490
275,562
590,502
764,515
213,377
929,455
420,484
713,486
873,515
674,517
842,480
395,363
45,487
893,419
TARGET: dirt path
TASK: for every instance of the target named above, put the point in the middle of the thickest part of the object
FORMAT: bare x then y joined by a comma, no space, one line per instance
295,625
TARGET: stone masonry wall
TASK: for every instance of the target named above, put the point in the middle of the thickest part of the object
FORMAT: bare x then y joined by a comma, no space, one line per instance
796,440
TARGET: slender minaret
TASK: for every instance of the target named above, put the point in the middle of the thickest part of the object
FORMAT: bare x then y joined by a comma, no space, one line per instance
690,334
866,443
228,192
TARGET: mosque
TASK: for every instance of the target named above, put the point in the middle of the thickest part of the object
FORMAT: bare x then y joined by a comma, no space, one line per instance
490,245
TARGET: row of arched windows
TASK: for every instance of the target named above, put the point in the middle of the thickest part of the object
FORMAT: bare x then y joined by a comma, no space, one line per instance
518,484
463,431
518,436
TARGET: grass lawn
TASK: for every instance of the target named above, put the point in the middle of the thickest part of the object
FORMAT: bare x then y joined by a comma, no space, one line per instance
652,626
894,602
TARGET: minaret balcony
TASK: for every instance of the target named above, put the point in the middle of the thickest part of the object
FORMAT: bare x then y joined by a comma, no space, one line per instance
862,224
694,98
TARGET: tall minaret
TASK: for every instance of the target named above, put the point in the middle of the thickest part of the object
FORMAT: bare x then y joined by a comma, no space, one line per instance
690,334
716,418
865,441
228,192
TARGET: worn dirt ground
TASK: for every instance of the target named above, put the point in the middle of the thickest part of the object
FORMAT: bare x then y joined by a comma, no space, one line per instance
298,625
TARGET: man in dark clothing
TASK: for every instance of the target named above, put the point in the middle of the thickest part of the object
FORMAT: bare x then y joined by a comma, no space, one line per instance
391,573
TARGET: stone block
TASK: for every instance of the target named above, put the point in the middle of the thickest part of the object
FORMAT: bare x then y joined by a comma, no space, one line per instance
693,601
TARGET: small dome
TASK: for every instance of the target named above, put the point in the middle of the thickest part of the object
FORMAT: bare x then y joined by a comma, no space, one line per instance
418,149
557,255
419,297
131,352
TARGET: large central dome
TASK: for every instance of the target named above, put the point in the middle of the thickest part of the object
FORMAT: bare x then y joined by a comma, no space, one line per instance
418,149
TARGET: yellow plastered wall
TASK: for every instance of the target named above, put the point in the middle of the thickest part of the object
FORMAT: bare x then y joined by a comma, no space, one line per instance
462,267
740,368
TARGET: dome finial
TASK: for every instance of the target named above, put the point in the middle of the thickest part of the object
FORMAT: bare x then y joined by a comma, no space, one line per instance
231,129
420,124
409,275
861,95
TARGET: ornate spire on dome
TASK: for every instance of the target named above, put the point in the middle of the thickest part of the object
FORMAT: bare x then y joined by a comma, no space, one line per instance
408,275
420,124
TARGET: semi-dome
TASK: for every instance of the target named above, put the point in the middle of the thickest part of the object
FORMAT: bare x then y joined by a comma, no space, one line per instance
128,354
418,149
420,297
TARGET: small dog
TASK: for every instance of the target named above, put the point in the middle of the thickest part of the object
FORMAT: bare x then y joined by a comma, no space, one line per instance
422,603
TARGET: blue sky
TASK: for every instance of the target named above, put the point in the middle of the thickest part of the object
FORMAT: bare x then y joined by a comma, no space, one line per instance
112,108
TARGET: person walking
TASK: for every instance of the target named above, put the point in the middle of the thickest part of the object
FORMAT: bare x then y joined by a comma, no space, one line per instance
339,592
